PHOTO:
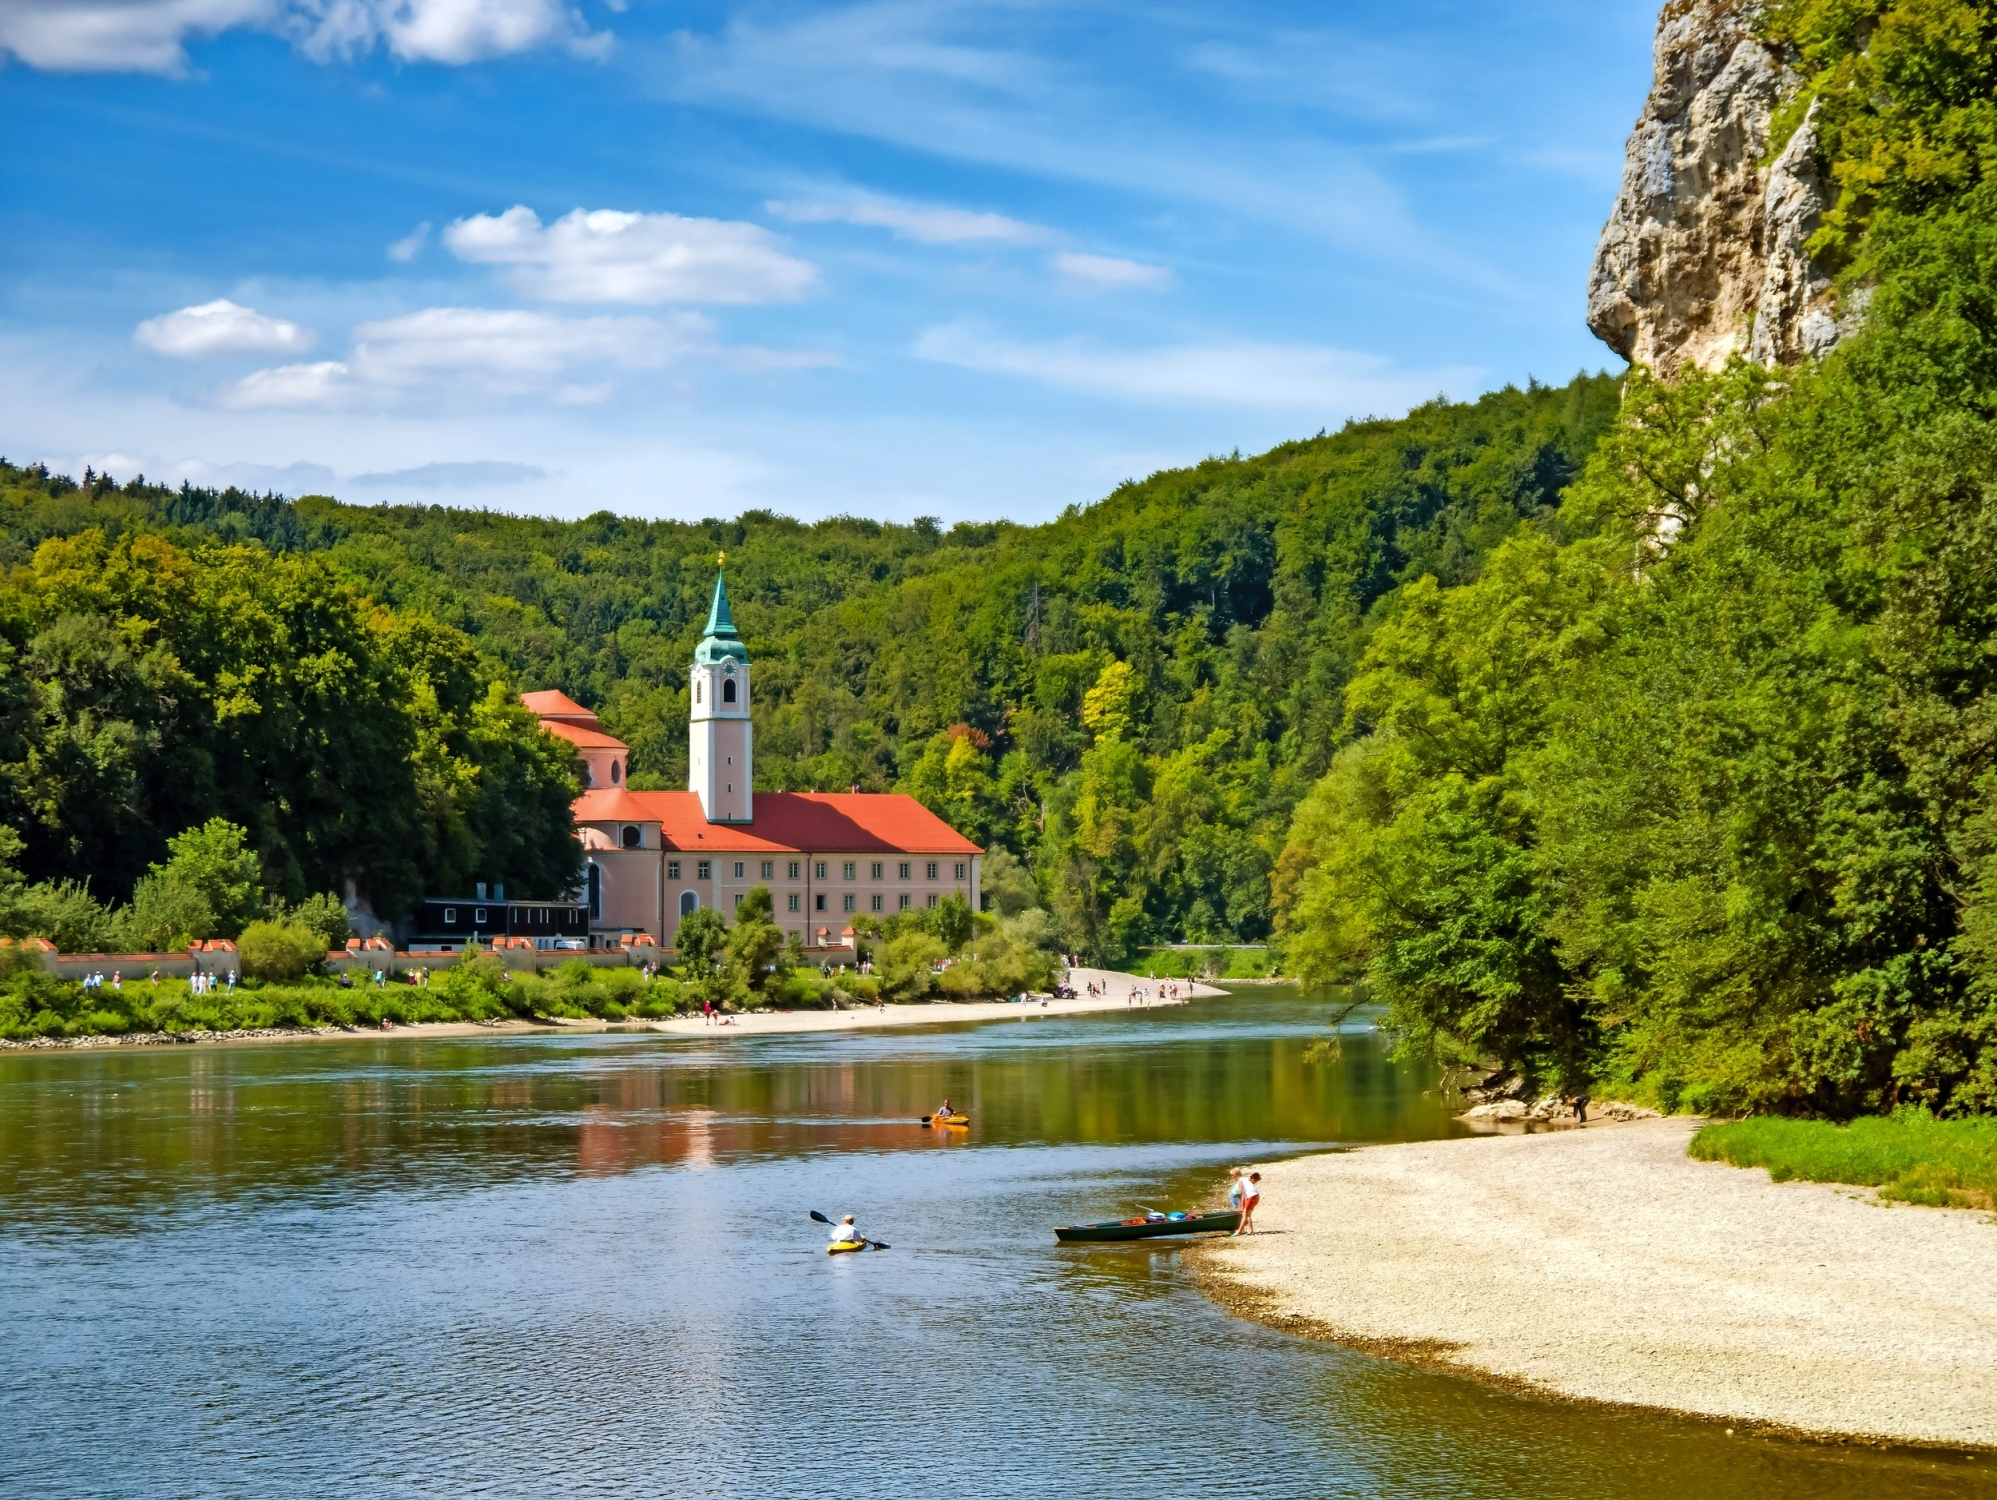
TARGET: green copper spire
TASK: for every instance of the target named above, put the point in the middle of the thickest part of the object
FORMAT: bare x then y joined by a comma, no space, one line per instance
721,643
719,620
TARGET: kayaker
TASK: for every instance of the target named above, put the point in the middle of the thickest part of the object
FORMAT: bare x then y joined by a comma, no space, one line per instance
945,1114
846,1230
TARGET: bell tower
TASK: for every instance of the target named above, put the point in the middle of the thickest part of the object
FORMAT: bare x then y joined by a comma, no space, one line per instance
719,768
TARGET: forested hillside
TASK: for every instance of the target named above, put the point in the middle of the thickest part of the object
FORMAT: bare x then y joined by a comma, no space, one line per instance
1131,698
1694,791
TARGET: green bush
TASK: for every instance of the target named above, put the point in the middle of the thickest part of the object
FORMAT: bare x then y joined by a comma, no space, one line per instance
1910,1156
280,951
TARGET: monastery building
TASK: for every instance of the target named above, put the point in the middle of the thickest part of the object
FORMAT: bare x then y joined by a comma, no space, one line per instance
827,857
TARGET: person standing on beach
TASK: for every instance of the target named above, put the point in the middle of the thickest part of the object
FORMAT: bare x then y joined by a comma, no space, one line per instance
1251,1194
1234,1189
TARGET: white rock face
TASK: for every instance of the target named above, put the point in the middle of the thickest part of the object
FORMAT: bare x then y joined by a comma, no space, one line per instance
1703,254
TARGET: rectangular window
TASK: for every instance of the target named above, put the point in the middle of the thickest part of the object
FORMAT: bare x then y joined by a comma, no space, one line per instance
770,868
903,868
878,867
849,903
793,900
960,869
672,869
450,913
821,869
904,900
821,901
880,902
794,868
738,869
701,870
932,900
849,869
479,915
932,872
738,901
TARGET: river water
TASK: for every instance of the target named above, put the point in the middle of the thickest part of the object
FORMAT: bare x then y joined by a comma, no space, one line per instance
584,1266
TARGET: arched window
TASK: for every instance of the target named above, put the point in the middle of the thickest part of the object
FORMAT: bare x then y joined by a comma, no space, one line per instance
616,773
595,891
689,903
728,690
631,838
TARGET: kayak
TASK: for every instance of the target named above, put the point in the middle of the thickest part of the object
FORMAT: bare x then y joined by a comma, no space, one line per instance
1147,1228
955,1122
841,1247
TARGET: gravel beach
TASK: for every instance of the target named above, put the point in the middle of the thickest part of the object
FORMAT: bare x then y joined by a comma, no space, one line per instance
1604,1264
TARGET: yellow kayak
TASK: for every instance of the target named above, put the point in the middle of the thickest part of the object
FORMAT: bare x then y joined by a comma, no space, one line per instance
956,1121
840,1247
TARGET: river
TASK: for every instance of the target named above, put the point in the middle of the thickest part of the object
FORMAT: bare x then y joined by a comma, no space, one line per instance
584,1266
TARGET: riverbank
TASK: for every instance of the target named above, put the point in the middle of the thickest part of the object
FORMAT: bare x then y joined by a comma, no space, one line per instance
1603,1264
750,1023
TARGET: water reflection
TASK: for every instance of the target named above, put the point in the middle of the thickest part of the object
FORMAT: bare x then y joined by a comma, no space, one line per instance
583,1266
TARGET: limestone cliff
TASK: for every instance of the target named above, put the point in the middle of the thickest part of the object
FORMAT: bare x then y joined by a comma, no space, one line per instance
1703,254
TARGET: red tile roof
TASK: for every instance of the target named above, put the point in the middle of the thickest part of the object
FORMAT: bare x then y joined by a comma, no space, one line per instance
585,739
553,705
786,823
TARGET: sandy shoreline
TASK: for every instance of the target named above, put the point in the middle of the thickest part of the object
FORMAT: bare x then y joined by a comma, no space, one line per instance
755,1023
1606,1265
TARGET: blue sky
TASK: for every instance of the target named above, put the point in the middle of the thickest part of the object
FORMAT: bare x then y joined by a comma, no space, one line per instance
970,260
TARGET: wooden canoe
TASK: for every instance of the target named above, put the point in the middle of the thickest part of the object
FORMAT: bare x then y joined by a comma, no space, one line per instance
1147,1229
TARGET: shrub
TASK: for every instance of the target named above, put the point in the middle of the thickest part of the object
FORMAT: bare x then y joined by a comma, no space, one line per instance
165,914
280,951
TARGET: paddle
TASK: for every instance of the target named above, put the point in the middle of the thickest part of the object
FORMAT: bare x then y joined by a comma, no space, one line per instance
823,1220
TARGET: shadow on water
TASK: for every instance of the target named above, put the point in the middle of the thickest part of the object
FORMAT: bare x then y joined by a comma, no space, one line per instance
583,1266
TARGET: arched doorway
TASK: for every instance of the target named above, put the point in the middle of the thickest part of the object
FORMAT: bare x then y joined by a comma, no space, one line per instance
689,903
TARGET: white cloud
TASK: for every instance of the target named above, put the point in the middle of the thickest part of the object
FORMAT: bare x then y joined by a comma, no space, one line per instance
1106,272
469,351
1291,377
410,245
149,36
607,256
221,327
930,223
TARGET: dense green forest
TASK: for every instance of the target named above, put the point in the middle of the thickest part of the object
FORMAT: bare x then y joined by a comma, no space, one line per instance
1695,794
1130,699
1638,736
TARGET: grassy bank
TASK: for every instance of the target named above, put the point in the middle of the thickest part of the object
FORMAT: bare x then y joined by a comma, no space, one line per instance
1204,963
1911,1157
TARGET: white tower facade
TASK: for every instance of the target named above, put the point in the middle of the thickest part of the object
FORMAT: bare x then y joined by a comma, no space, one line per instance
720,756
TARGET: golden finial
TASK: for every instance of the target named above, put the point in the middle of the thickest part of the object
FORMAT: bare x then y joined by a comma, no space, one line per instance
720,559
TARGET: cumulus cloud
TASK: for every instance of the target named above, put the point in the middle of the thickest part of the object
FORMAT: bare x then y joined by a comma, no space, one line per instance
443,351
931,224
1107,273
607,256
1296,377
149,36
221,327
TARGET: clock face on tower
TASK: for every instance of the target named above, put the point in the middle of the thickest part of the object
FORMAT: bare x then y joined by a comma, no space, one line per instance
728,669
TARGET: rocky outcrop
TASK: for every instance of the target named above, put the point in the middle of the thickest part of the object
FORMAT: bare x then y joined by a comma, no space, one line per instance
1703,256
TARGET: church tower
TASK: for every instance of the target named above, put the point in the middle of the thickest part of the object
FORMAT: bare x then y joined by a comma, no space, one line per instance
719,768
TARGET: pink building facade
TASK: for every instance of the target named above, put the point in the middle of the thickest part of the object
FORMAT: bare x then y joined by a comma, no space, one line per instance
827,857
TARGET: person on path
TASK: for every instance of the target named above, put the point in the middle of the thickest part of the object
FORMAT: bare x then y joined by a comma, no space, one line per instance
1251,1194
